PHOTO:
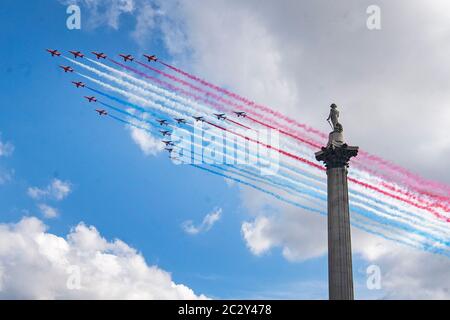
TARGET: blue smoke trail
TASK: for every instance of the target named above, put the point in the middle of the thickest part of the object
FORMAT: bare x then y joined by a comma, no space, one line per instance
281,198
282,173
289,185
361,211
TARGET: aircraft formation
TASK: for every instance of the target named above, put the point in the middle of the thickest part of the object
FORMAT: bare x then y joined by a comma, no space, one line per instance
381,192
129,58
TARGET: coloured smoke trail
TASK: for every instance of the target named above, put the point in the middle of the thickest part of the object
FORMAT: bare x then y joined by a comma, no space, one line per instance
312,144
389,193
401,207
385,192
393,169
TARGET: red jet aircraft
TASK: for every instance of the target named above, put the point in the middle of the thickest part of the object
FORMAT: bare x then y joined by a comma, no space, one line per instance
240,114
91,99
101,112
66,69
78,84
220,116
100,55
127,57
151,57
54,52
77,54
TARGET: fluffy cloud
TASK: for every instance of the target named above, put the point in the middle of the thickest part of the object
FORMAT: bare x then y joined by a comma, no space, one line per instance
406,273
6,148
5,176
103,12
109,12
256,235
56,190
48,211
298,57
146,142
145,22
36,264
300,65
299,234
208,221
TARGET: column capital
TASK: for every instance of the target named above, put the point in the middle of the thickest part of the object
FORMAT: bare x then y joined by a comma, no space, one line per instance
336,157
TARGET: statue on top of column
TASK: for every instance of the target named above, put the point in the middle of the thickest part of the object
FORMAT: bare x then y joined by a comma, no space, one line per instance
333,118
336,138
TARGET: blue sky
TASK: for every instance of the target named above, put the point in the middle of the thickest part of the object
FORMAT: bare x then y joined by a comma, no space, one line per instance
125,194
297,65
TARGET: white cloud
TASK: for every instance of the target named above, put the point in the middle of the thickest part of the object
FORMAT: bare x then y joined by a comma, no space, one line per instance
298,57
254,235
6,148
145,23
406,273
279,225
208,221
5,175
36,264
48,211
103,12
146,142
56,190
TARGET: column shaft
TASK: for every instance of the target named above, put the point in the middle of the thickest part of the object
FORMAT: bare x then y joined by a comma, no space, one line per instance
339,239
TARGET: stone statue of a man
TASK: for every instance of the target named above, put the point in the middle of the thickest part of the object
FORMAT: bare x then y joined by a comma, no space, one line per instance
336,137
333,117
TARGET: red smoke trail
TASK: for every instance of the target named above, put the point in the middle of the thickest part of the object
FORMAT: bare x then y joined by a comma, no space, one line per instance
288,154
247,101
180,90
218,98
389,172
239,124
170,86
216,105
356,181
416,197
383,164
368,186
372,158
308,142
414,177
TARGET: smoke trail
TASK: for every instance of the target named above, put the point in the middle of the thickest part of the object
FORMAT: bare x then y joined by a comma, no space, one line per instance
419,182
288,153
372,207
131,96
430,248
218,98
400,225
248,102
359,164
198,98
154,96
174,90
178,106
366,185
313,144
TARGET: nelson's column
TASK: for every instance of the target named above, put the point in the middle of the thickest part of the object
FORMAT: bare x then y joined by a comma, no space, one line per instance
336,156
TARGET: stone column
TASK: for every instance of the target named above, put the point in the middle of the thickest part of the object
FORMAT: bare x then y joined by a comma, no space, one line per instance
340,276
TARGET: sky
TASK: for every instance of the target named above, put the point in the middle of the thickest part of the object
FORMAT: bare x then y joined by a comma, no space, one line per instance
79,191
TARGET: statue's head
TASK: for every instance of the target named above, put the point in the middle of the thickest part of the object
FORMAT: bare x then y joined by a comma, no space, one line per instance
333,106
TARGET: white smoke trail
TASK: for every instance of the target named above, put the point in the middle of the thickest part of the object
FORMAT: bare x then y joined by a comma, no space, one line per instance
137,98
